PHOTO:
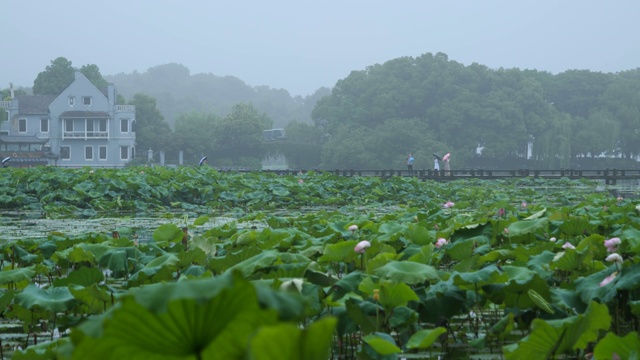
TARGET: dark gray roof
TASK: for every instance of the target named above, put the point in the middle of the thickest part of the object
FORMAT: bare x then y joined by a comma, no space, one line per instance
34,104
22,139
84,114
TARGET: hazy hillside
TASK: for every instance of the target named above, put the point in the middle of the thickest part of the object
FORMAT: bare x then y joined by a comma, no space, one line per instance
178,91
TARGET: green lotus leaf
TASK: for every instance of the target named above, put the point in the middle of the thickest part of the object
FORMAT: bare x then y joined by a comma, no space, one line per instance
170,233
393,294
16,275
556,337
83,276
496,255
408,272
312,343
201,220
382,344
423,339
475,279
221,264
339,252
575,225
54,299
629,278
116,261
218,327
525,227
418,234
348,283
627,347
247,267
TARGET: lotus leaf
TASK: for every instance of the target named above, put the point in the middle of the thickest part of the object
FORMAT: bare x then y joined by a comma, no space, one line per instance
627,347
548,338
423,339
408,272
54,299
311,343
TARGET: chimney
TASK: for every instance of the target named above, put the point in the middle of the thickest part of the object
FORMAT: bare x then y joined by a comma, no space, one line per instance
111,93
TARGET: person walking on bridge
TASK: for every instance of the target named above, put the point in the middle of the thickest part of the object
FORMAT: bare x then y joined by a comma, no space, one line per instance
447,168
410,160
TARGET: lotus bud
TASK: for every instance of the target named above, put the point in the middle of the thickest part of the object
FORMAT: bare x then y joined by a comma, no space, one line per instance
616,258
441,242
362,246
608,279
353,228
376,294
568,245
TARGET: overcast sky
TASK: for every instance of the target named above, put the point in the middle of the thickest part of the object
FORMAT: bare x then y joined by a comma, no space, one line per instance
302,45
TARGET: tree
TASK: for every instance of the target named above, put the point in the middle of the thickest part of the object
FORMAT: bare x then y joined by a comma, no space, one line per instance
152,132
302,146
92,72
55,78
238,137
194,134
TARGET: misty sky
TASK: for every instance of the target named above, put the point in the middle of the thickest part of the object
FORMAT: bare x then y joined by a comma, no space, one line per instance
302,45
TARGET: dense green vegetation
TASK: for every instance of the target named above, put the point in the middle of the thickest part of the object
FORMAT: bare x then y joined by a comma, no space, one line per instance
315,265
432,104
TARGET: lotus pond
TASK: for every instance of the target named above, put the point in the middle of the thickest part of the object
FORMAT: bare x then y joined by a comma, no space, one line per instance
191,263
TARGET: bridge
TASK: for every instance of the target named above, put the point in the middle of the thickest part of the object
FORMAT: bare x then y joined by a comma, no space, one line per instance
610,176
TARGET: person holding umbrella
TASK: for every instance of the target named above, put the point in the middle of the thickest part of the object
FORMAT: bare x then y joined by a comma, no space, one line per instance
446,164
5,161
202,161
436,164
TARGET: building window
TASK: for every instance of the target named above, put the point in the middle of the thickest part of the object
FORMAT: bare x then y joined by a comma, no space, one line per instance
124,125
65,152
124,153
86,100
68,125
44,125
88,152
102,152
72,100
22,125
103,125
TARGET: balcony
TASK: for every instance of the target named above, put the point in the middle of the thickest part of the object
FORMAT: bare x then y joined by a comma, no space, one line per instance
84,135
7,104
125,108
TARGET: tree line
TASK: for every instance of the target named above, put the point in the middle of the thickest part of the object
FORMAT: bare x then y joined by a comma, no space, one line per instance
374,117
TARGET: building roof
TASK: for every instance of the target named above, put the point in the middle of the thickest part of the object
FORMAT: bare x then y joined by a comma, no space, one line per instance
34,104
84,114
22,139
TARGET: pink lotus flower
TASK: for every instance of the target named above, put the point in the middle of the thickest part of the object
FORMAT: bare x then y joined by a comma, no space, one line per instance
608,279
616,258
300,181
441,242
448,205
612,244
362,246
523,205
568,245
353,228
501,212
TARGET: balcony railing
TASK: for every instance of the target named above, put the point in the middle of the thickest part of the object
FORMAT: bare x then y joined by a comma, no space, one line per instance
125,108
85,135
5,104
